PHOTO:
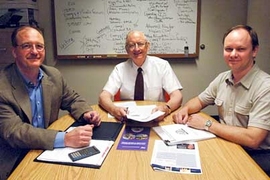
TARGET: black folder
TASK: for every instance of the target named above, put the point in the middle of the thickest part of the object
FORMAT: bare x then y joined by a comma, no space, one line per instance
106,130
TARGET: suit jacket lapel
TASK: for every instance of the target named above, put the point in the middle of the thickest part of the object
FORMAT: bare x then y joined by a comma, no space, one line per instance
47,98
20,94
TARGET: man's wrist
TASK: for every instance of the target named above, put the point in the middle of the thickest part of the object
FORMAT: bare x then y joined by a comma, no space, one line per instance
208,124
59,141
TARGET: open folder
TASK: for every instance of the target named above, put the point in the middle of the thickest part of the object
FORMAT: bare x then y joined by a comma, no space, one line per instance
173,134
103,139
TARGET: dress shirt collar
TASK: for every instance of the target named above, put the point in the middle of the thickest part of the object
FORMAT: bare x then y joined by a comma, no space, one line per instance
144,65
27,82
246,80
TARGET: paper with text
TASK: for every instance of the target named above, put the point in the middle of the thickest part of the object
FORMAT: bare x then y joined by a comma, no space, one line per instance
134,138
181,158
177,133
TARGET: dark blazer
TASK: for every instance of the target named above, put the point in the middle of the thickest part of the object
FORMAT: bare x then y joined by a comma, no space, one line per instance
16,131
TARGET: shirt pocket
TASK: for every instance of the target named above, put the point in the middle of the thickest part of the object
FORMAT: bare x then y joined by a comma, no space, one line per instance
242,109
242,114
220,103
127,91
154,93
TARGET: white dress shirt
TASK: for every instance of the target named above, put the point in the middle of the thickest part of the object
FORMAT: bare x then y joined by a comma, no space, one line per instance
157,73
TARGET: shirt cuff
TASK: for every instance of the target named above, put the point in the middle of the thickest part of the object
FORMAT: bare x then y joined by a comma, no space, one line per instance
59,140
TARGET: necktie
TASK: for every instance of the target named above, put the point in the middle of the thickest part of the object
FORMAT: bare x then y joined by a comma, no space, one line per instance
139,92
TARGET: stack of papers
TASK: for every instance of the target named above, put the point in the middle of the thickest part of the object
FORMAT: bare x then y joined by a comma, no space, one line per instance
141,113
178,133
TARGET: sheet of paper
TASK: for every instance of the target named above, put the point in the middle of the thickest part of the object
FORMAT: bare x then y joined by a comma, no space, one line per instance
181,158
143,113
61,154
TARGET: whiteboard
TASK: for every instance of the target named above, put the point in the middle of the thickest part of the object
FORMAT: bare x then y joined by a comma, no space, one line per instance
98,28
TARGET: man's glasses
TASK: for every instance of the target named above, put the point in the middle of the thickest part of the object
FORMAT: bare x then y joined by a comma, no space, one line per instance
29,46
134,45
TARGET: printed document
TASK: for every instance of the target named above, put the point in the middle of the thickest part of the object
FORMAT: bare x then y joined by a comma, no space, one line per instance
134,138
181,158
178,133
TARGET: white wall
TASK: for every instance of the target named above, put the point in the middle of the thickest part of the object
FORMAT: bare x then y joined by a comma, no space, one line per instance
89,76
259,18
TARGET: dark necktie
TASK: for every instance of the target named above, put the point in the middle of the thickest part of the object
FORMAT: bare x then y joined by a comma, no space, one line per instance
139,92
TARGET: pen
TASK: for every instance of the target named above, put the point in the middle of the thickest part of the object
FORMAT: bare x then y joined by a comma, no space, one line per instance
123,118
126,110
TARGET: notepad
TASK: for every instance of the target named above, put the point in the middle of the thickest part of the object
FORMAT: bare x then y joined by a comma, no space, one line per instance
103,139
60,155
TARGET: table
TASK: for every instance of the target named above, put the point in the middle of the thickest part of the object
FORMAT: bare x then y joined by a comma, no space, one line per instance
220,160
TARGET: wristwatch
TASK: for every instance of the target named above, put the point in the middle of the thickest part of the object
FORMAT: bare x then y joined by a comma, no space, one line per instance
208,124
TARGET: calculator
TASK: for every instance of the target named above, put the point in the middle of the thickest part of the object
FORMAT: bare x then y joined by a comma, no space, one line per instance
83,153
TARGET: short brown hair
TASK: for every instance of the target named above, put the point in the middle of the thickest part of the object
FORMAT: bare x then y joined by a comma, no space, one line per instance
18,29
252,33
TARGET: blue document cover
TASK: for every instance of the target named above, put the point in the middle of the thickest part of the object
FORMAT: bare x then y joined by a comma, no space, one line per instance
134,138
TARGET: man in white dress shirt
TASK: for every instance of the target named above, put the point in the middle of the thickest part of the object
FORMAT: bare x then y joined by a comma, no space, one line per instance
157,74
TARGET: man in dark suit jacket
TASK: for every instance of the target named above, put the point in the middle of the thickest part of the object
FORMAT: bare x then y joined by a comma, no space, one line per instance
31,95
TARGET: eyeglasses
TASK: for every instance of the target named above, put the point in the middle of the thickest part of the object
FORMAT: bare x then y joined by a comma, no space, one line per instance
29,46
133,46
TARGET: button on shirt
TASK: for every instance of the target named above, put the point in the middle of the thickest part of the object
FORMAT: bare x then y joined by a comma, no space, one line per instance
36,101
157,75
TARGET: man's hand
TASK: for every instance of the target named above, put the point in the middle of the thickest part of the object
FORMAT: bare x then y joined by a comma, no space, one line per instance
79,137
162,108
92,117
196,121
120,113
181,117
